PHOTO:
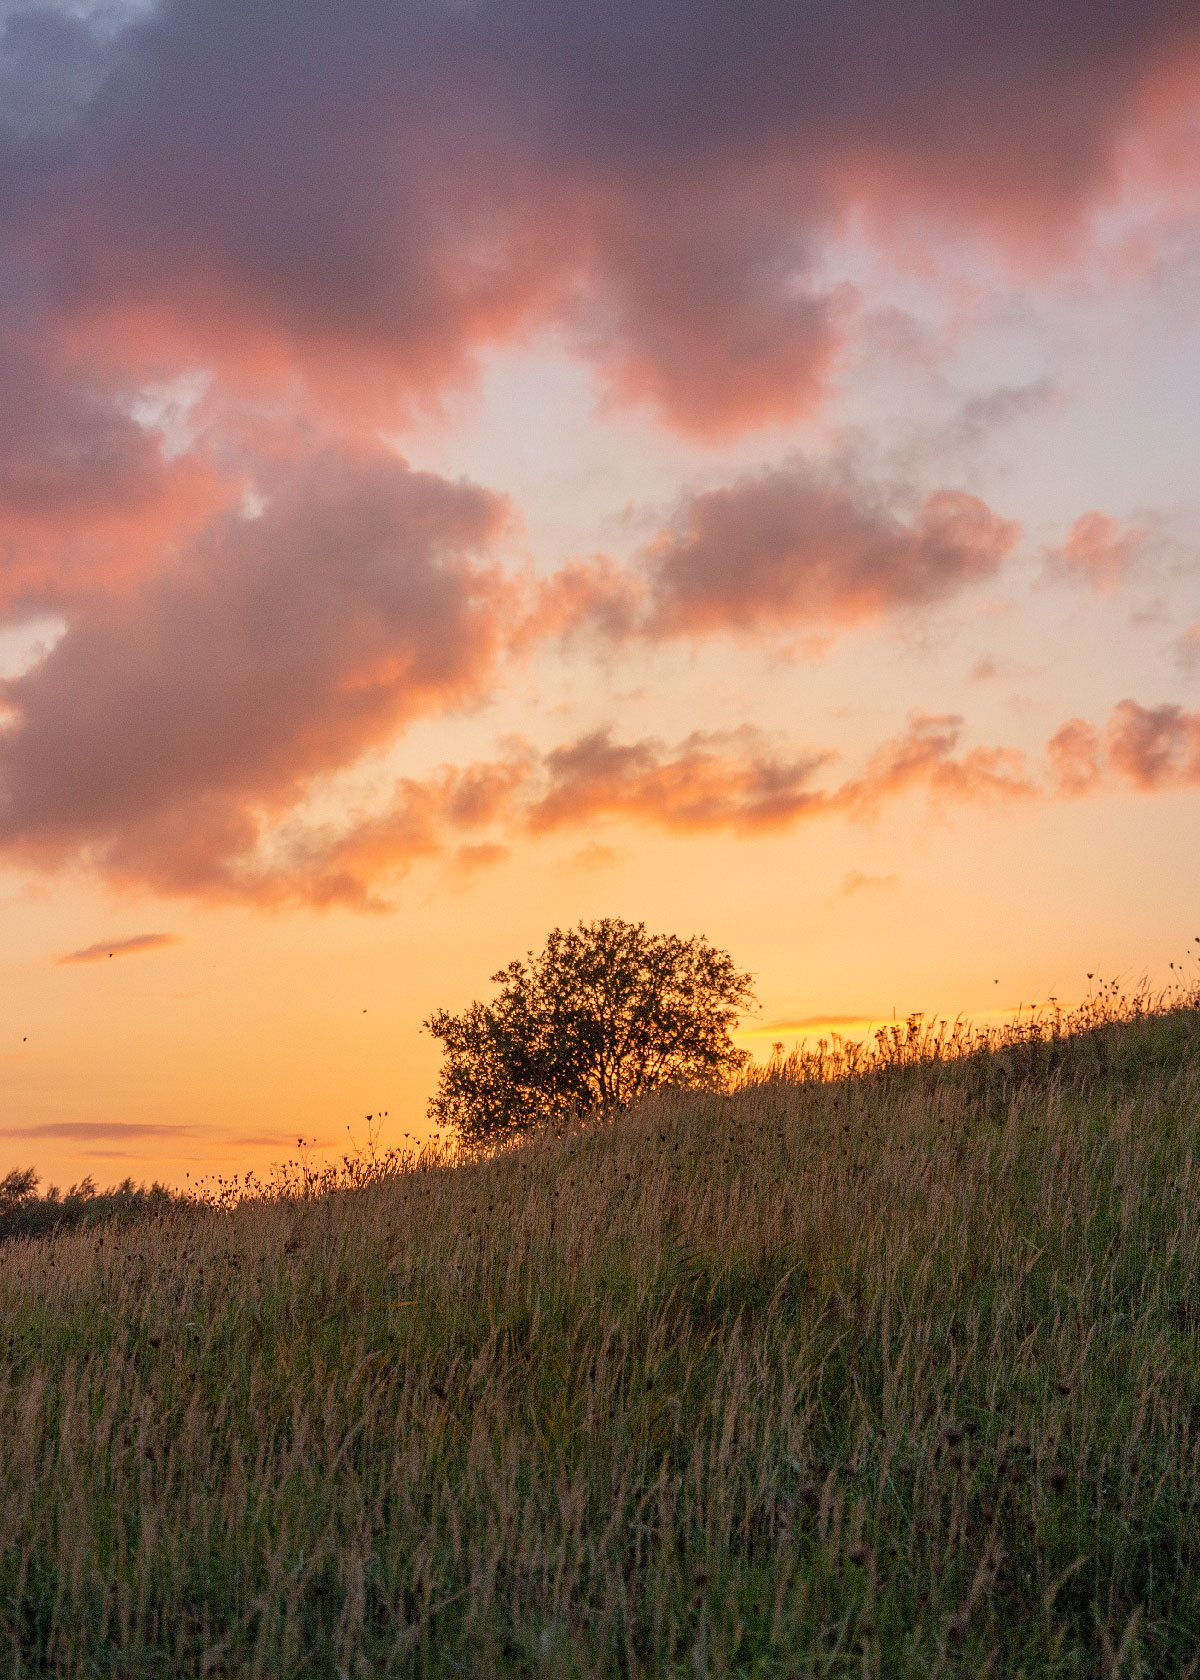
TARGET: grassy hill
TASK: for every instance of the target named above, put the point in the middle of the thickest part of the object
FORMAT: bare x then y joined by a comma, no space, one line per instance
889,1374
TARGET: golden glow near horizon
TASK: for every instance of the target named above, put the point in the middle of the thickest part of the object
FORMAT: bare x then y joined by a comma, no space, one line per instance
215,1054
421,526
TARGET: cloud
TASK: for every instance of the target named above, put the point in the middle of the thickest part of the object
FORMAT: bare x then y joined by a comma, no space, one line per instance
1154,746
982,415
173,725
736,782
796,546
856,882
1187,647
1150,747
596,596
469,860
924,755
369,193
87,497
707,782
86,1131
104,949
1099,551
1076,759
334,864
739,782
990,666
806,1024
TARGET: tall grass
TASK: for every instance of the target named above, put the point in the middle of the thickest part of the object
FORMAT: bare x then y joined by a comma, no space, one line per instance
887,1369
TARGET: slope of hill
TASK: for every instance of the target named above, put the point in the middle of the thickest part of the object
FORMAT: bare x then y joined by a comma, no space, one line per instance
893,1374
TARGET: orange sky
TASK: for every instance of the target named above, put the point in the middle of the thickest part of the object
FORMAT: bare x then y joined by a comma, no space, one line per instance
480,469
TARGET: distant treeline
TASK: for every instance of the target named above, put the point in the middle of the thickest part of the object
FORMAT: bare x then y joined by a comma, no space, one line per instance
23,1213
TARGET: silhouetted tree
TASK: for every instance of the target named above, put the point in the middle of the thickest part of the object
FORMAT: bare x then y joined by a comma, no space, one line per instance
606,1013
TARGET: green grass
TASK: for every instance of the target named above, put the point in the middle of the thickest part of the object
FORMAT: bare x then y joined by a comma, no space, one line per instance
893,1374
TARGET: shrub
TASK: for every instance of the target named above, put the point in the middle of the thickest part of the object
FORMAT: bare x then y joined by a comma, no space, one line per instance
23,1213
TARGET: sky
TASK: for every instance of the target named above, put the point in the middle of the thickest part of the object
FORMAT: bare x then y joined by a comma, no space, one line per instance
474,466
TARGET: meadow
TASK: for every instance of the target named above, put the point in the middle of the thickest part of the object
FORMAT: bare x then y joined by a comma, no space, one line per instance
882,1364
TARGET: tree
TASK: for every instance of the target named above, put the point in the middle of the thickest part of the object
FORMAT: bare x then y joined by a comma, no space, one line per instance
606,1013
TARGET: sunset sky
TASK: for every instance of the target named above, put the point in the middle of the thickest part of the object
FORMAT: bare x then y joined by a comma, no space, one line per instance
468,466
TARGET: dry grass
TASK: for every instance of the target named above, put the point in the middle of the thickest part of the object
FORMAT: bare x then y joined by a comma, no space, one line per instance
890,1375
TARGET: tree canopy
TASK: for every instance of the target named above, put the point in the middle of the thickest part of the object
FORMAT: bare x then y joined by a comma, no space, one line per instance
604,1014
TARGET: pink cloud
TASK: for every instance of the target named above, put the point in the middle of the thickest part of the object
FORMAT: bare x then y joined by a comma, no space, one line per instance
87,498
595,595
794,547
1075,755
734,782
331,211
924,755
1154,746
1100,551
173,724
1150,747
708,781
370,193
220,845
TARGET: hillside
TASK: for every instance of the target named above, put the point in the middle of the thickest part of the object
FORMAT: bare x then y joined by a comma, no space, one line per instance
893,1374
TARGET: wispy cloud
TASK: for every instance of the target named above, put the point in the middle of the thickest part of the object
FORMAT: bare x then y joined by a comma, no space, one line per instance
991,667
982,415
1100,551
105,948
100,1131
805,1025
194,1141
1187,648
856,882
